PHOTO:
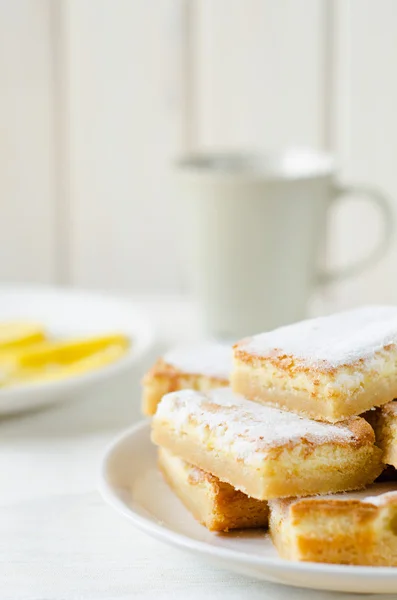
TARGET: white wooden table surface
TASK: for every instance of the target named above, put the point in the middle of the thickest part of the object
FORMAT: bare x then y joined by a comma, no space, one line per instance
59,541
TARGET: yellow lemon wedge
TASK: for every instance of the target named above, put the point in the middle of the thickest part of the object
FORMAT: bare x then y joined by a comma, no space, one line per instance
20,334
51,360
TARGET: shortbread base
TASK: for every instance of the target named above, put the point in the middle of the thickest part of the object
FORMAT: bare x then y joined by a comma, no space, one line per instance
216,505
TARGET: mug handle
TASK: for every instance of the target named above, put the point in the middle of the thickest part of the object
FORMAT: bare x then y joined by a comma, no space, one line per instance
384,207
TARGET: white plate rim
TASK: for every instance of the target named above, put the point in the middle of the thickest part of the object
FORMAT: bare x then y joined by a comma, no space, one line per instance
181,541
141,344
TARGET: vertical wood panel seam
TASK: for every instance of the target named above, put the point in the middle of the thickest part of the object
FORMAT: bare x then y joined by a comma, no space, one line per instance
345,25
337,104
339,123
328,81
189,52
61,159
329,74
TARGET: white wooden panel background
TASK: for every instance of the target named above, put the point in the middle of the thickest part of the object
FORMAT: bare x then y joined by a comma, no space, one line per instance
364,129
98,97
27,203
260,73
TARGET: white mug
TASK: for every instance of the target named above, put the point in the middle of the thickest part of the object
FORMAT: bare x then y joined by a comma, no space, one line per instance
255,227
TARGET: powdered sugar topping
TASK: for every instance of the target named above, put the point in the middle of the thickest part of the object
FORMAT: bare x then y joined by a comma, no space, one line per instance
210,359
331,341
245,426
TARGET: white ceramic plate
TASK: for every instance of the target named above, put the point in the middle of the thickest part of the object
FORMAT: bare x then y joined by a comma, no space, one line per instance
131,483
69,313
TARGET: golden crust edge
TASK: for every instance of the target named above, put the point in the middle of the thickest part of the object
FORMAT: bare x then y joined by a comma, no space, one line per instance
286,362
164,378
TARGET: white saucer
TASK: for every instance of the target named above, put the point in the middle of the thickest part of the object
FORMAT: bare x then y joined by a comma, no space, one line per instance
71,313
131,483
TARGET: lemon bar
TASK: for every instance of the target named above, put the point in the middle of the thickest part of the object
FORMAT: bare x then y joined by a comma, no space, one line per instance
356,528
198,367
262,451
215,504
328,368
384,422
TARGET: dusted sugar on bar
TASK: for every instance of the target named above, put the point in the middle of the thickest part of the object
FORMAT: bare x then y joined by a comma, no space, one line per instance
215,504
328,368
198,367
262,451
355,528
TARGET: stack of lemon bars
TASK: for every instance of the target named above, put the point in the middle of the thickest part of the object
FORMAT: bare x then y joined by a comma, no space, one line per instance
288,431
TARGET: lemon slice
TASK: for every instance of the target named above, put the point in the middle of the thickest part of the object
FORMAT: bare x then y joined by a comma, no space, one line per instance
67,351
54,360
19,334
